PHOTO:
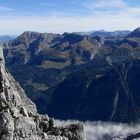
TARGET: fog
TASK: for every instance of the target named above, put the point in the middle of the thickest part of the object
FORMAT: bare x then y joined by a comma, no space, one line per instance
103,130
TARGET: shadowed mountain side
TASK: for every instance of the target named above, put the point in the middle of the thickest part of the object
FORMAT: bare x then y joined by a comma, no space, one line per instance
91,78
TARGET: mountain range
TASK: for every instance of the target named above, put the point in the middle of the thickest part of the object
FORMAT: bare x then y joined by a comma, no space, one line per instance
79,76
109,34
6,38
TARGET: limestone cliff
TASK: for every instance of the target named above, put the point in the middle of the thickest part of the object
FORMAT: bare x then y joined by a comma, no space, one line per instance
19,119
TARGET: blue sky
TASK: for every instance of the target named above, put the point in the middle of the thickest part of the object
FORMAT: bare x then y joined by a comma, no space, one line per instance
60,16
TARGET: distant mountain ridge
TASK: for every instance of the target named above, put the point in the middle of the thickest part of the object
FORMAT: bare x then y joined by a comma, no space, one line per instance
87,77
109,34
6,38
103,33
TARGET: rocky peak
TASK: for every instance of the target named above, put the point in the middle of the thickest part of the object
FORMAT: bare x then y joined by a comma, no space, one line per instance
30,34
135,33
19,118
25,39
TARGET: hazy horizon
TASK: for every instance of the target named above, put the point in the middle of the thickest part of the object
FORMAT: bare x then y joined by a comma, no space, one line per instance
6,34
68,16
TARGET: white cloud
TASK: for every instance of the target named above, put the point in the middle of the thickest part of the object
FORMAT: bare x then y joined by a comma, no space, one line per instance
59,22
64,23
5,9
135,11
112,8
106,4
98,130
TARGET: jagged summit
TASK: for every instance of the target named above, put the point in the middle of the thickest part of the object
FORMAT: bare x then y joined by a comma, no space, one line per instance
135,33
19,118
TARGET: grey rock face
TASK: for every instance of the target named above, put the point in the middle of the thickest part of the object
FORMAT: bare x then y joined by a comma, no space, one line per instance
135,136
19,119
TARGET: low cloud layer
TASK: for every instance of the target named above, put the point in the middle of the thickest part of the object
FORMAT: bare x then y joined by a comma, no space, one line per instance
102,130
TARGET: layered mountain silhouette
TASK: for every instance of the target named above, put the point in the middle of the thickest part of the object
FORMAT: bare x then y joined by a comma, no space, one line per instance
110,34
6,38
74,76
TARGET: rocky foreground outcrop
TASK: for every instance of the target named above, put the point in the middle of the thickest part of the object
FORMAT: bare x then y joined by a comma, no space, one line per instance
19,119
135,136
